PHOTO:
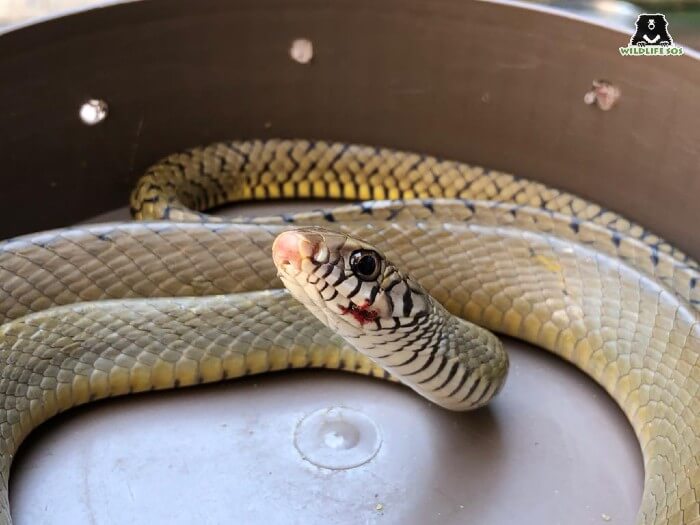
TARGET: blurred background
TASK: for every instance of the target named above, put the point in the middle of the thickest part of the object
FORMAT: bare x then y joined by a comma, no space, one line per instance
683,15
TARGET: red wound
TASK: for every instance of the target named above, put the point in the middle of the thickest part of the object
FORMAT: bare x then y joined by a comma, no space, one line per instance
361,313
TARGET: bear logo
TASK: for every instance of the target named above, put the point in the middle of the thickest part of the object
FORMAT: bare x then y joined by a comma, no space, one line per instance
652,30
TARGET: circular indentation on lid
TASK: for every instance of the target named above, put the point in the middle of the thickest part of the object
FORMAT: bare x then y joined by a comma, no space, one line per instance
337,438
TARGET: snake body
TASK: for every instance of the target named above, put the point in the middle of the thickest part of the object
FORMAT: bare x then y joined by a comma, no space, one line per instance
98,311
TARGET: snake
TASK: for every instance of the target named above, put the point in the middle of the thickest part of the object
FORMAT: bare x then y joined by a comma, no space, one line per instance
406,283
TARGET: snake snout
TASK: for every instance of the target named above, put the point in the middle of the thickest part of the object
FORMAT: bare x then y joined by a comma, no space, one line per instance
292,247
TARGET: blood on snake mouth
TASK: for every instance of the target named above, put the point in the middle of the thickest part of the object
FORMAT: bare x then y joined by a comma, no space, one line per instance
362,314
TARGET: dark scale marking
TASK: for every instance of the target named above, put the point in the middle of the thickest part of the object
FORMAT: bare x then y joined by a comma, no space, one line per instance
355,290
200,198
408,361
335,294
393,213
104,237
693,282
465,377
654,257
450,375
428,205
151,186
391,286
175,162
219,187
328,216
470,206
340,279
152,200
482,396
428,335
417,320
324,191
366,208
471,390
407,302
288,218
440,368
373,293
575,225
389,300
425,365
328,271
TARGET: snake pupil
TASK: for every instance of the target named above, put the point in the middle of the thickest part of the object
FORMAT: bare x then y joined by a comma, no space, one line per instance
365,264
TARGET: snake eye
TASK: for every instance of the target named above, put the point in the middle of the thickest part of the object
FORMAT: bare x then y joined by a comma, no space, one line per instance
365,264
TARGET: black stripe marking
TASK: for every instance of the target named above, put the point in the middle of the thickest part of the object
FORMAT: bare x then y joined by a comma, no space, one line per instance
373,293
413,357
391,286
482,396
462,382
471,390
440,368
425,365
407,302
449,377
393,212
328,272
355,290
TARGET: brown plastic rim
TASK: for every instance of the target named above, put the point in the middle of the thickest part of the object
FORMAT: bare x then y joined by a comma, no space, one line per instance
496,84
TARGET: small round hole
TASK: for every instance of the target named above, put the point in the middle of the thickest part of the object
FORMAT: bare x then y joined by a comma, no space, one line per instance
93,111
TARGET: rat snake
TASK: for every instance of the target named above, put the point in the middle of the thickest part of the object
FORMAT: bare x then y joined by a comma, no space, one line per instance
91,312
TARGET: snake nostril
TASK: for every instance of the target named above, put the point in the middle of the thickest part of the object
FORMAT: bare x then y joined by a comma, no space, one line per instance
285,250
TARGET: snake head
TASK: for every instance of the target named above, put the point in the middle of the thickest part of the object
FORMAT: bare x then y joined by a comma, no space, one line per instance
349,285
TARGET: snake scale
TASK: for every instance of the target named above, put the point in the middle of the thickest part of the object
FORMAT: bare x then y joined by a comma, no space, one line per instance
96,311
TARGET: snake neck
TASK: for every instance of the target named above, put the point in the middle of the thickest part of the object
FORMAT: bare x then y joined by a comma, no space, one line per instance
454,363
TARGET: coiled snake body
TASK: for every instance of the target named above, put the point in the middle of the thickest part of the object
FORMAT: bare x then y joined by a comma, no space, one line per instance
98,311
